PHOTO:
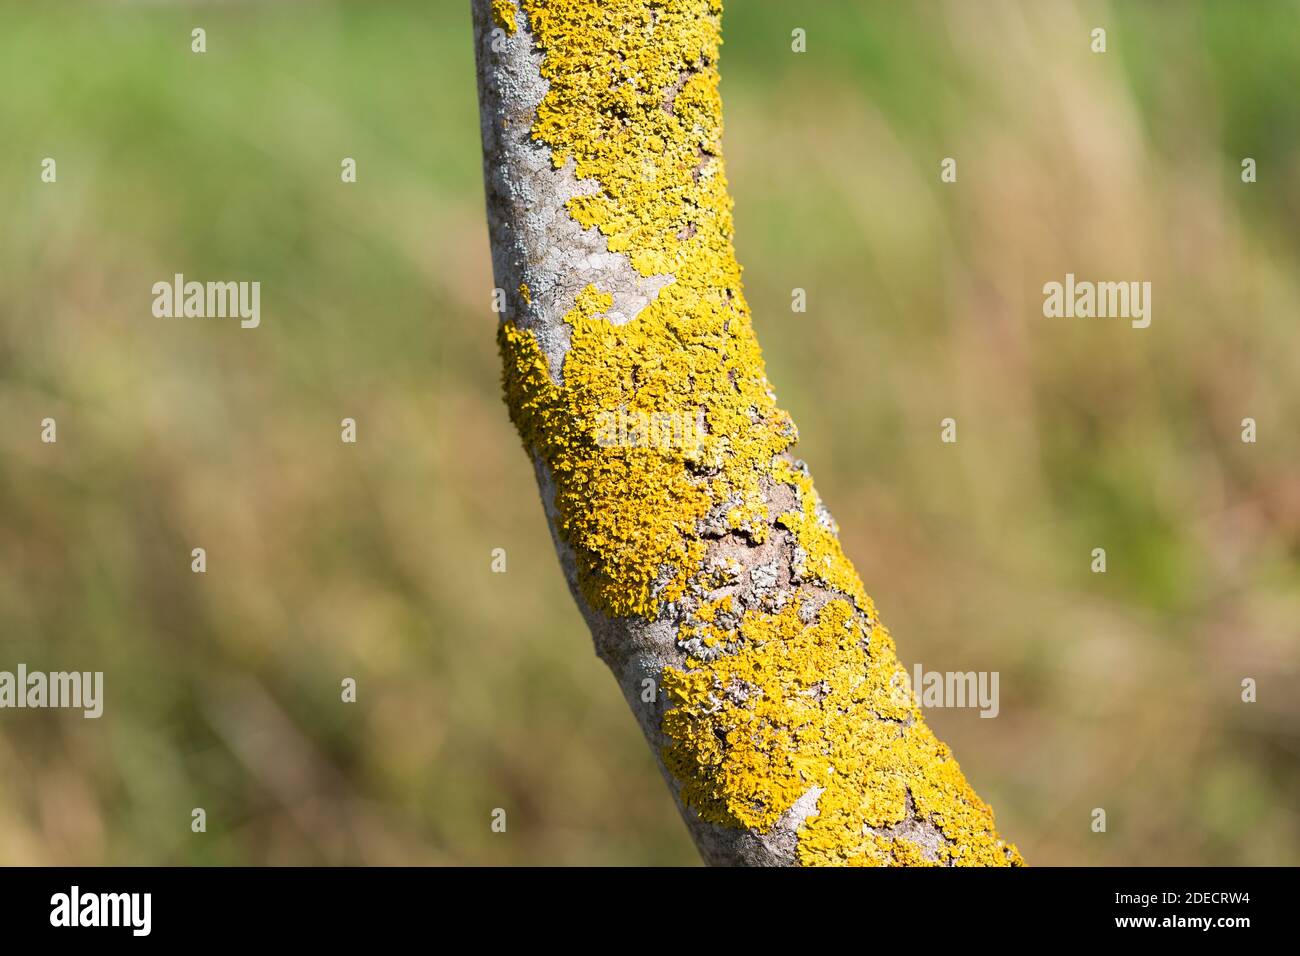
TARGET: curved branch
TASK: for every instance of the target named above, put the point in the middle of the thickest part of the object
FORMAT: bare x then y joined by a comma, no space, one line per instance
694,543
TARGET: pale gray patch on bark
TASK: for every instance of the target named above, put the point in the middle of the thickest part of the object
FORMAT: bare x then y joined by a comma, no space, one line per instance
535,242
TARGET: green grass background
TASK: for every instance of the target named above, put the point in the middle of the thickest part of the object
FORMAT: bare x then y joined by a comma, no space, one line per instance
479,690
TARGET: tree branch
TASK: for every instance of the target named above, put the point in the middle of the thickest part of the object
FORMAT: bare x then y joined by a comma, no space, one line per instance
709,572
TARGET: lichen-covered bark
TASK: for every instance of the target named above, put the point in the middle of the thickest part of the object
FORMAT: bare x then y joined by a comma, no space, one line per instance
708,569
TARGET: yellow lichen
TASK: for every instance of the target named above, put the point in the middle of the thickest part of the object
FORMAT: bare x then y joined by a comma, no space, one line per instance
505,14
787,701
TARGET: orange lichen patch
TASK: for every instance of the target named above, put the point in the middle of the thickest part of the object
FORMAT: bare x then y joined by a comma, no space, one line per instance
785,704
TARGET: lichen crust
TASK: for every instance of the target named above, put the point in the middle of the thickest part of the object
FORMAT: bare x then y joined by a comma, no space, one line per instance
787,681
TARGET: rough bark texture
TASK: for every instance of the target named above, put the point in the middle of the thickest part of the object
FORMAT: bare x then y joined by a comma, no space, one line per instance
694,543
